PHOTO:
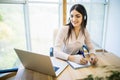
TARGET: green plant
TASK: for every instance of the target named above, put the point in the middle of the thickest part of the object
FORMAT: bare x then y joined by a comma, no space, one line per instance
115,75
90,77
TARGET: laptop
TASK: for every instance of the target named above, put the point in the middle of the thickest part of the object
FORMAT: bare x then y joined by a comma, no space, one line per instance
41,63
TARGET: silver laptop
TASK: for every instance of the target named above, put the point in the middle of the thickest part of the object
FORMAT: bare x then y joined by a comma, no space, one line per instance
41,63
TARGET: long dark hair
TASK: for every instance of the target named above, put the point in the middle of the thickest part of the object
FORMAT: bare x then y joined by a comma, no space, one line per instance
81,9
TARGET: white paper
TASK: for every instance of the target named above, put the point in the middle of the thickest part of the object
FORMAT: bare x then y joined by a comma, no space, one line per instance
76,66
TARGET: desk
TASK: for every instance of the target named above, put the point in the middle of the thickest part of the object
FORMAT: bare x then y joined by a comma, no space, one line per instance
106,62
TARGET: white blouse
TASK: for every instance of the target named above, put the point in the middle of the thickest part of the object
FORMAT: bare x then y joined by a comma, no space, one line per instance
63,48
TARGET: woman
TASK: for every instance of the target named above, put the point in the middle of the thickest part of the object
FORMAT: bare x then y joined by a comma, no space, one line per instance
73,36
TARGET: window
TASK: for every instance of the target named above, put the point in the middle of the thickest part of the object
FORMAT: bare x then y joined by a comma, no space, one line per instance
43,20
20,22
12,33
45,0
96,23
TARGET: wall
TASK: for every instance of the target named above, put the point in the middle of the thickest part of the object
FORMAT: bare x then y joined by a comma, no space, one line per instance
112,42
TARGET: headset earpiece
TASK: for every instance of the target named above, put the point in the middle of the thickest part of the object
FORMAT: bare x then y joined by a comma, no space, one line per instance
84,17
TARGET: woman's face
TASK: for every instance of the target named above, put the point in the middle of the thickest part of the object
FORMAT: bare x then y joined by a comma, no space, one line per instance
76,18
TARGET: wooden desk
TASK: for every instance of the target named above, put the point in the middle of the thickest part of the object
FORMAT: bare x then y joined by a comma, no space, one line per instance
107,62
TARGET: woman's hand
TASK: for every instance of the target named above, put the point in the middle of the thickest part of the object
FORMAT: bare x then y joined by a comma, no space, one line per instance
78,59
83,61
93,59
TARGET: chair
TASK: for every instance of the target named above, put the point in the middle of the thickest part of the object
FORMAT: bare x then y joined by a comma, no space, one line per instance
8,70
54,36
8,74
5,74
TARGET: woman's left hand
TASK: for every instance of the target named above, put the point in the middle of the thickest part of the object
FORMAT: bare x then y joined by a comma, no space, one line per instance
93,59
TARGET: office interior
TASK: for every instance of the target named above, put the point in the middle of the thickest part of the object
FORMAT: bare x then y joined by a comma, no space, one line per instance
29,25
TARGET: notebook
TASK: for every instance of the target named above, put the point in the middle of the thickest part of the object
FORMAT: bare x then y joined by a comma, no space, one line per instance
41,63
77,66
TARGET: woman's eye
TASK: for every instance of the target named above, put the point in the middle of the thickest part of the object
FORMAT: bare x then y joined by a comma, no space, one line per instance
78,16
71,16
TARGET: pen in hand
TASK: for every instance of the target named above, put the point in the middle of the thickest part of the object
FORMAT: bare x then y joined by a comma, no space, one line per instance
85,61
83,54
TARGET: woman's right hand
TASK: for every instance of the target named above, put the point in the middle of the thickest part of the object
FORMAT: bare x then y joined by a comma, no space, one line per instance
78,59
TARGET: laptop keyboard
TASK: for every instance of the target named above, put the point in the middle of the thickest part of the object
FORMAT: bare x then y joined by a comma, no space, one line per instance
55,68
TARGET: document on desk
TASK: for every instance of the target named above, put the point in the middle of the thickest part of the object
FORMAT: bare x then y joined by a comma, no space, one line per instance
77,66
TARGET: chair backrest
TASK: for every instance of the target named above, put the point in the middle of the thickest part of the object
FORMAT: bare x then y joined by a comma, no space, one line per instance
54,37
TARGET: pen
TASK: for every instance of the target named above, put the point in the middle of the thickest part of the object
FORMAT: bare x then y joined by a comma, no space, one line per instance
83,54
85,48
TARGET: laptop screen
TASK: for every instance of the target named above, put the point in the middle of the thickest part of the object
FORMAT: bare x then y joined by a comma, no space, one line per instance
55,68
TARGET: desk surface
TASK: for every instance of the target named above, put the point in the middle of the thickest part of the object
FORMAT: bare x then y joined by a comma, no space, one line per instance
106,63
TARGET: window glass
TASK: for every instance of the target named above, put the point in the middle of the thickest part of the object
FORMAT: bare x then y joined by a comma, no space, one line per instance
43,20
12,1
96,23
12,34
45,0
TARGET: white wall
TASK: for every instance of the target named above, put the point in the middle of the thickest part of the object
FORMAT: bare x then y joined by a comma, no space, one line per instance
112,42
